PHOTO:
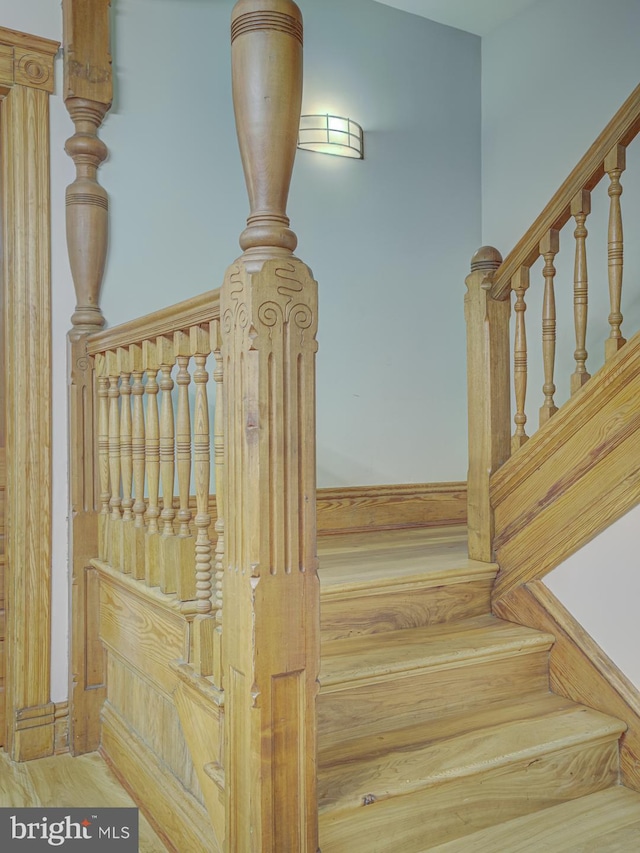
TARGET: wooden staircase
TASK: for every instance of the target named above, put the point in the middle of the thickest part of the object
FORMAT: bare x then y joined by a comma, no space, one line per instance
436,726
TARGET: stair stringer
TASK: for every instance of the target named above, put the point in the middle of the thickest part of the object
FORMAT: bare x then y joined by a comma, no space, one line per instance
571,480
578,667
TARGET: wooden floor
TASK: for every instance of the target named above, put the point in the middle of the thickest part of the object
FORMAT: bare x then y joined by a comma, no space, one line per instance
66,782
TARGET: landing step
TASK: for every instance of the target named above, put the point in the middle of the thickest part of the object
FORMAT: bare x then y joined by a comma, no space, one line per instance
374,658
606,821
393,580
520,741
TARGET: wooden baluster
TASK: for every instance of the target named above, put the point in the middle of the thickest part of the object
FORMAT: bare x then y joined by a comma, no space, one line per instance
136,536
218,459
580,209
103,456
115,502
152,439
167,553
185,542
615,164
269,320
202,653
202,460
519,285
549,247
126,449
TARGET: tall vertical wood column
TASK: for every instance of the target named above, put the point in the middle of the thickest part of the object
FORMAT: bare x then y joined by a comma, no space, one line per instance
88,95
488,395
26,80
271,603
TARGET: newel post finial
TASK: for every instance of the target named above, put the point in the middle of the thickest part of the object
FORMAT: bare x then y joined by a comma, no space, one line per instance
486,259
266,56
488,396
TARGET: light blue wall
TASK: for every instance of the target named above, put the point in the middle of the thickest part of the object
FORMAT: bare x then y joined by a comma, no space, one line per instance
552,77
388,238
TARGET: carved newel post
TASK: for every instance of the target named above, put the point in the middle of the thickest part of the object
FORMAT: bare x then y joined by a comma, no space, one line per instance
88,94
488,395
269,321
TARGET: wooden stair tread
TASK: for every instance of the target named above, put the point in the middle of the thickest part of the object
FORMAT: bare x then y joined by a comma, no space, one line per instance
378,656
388,557
402,771
608,821
344,746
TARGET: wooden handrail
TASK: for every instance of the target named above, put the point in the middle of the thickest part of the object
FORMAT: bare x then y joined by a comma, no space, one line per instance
622,128
175,318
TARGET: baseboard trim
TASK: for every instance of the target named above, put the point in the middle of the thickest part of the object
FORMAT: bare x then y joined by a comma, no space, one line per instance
579,669
175,815
60,728
356,509
33,733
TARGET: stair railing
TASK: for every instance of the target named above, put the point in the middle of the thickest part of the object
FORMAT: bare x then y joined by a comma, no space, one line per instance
488,314
149,441
258,333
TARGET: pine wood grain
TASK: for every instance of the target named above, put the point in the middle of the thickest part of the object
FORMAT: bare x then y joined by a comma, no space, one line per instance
439,676
178,818
458,807
389,580
576,476
579,669
24,162
367,508
69,782
397,772
489,399
605,821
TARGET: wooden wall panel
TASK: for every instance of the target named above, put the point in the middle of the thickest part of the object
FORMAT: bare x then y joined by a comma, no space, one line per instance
26,78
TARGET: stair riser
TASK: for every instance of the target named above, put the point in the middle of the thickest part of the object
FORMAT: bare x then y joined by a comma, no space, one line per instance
419,820
429,694
392,609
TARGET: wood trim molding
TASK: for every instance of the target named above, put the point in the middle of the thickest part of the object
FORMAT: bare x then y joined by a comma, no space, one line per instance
61,727
24,154
355,509
26,60
574,477
579,669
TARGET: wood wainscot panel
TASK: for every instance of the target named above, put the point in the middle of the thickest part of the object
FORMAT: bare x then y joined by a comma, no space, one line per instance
178,818
141,632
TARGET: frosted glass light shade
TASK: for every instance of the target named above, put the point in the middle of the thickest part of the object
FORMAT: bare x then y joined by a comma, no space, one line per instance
331,135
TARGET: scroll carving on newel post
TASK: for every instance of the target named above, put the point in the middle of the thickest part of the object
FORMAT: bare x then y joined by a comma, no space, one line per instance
488,395
269,321
88,95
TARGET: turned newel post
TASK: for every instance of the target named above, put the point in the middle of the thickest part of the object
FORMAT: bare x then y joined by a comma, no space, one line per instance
270,626
87,95
266,57
488,394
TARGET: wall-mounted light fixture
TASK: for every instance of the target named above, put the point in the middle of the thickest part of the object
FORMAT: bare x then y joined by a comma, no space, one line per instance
331,135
